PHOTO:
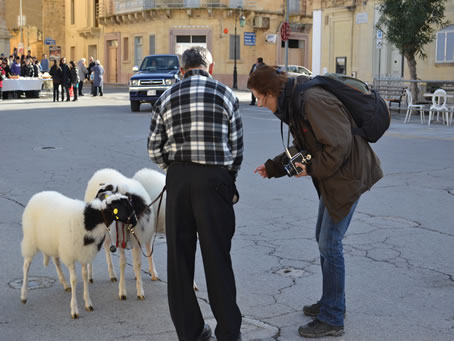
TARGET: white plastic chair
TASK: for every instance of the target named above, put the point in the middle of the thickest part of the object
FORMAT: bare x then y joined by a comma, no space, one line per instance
411,107
439,105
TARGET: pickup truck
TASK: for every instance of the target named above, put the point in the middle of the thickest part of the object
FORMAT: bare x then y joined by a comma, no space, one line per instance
156,74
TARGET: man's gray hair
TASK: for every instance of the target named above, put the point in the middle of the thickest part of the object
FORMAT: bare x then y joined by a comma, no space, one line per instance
196,57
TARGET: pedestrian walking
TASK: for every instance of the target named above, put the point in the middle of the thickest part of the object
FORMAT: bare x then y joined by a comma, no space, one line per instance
343,166
55,72
65,79
196,134
83,71
98,83
74,75
254,67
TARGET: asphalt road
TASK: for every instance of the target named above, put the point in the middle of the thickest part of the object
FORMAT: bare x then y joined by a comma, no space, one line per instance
399,248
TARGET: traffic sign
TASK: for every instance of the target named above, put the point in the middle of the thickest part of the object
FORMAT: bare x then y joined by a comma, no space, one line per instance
49,41
285,31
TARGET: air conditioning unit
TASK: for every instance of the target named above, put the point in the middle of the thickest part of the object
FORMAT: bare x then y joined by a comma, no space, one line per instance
261,22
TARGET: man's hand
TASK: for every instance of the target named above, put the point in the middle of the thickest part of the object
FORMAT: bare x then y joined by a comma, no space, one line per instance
303,167
262,171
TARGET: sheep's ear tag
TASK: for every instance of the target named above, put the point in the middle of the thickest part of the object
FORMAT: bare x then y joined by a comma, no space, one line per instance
115,211
106,196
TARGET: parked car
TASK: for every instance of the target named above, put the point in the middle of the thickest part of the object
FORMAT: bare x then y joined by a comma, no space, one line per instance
156,74
296,70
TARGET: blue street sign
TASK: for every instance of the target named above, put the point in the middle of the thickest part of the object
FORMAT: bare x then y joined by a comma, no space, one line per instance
249,38
49,41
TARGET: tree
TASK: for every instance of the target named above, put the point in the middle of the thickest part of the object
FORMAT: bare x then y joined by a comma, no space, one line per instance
409,25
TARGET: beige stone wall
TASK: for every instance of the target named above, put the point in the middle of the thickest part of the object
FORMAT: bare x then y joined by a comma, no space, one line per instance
165,24
346,34
53,23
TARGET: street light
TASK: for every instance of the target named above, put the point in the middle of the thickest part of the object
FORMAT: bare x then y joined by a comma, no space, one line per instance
242,23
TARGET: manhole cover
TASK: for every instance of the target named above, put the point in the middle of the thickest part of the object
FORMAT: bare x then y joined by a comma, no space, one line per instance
33,283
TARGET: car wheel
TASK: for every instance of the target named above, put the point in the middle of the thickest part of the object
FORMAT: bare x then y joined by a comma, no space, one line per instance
135,106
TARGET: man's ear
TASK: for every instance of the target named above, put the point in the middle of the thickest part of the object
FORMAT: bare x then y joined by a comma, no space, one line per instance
182,70
211,68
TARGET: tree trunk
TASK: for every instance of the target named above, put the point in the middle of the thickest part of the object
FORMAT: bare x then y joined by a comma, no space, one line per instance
411,61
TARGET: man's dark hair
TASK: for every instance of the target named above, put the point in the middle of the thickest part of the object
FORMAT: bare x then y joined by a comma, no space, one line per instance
260,59
195,57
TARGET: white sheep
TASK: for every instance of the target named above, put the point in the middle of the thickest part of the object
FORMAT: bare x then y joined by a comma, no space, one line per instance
154,182
144,230
70,230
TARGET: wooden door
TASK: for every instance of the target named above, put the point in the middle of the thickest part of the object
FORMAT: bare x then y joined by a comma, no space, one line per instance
112,74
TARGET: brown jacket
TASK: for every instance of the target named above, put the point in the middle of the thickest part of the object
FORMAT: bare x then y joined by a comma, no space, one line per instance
343,165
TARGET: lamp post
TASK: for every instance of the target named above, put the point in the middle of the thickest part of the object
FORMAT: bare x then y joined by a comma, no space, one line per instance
235,73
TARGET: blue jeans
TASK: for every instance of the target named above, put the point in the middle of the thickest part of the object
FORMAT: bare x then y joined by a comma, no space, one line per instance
329,237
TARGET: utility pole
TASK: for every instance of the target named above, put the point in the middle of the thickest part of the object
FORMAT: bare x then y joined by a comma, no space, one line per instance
287,9
21,19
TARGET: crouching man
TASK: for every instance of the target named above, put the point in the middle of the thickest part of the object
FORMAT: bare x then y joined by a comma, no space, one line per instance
342,167
196,134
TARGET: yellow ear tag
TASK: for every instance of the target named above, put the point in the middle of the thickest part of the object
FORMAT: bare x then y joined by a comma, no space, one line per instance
115,211
117,218
106,196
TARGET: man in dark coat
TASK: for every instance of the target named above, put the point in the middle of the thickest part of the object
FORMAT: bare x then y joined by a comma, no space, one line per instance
254,67
65,78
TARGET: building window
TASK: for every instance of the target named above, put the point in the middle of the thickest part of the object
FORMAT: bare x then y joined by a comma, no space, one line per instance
445,45
192,3
152,48
72,53
96,13
232,47
235,3
73,15
184,42
125,48
294,6
138,44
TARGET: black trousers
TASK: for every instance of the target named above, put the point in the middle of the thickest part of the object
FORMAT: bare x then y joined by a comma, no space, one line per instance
81,87
56,86
199,201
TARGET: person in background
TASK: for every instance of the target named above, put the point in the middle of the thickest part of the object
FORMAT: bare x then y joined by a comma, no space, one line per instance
6,67
65,79
16,67
98,78
83,71
36,67
196,134
2,75
55,72
27,68
10,60
254,67
74,72
44,64
91,65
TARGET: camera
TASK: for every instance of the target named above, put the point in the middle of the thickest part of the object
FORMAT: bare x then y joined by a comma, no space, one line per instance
301,157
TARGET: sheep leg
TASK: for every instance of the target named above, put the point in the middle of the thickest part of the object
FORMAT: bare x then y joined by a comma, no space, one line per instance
110,268
137,257
90,272
88,304
151,267
24,290
73,280
122,286
60,275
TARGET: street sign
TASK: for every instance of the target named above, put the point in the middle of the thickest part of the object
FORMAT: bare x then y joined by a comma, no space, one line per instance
285,31
379,43
49,41
249,38
379,34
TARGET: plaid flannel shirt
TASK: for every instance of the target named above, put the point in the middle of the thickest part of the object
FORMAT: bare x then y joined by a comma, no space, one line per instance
197,120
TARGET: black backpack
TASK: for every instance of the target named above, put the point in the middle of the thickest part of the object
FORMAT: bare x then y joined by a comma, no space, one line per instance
367,107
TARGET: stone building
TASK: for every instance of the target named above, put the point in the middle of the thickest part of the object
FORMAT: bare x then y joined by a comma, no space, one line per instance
120,33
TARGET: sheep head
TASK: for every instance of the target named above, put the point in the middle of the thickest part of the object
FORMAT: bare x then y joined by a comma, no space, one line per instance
119,208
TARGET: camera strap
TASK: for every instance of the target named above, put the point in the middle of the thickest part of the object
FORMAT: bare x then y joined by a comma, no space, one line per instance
288,140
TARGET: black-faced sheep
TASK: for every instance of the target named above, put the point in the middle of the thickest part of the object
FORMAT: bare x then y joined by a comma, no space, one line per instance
144,230
69,230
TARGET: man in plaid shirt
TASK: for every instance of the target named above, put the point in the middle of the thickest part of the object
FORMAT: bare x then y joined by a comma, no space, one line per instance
196,134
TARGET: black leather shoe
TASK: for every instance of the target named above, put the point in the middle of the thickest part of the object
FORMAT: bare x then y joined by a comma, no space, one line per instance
206,333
